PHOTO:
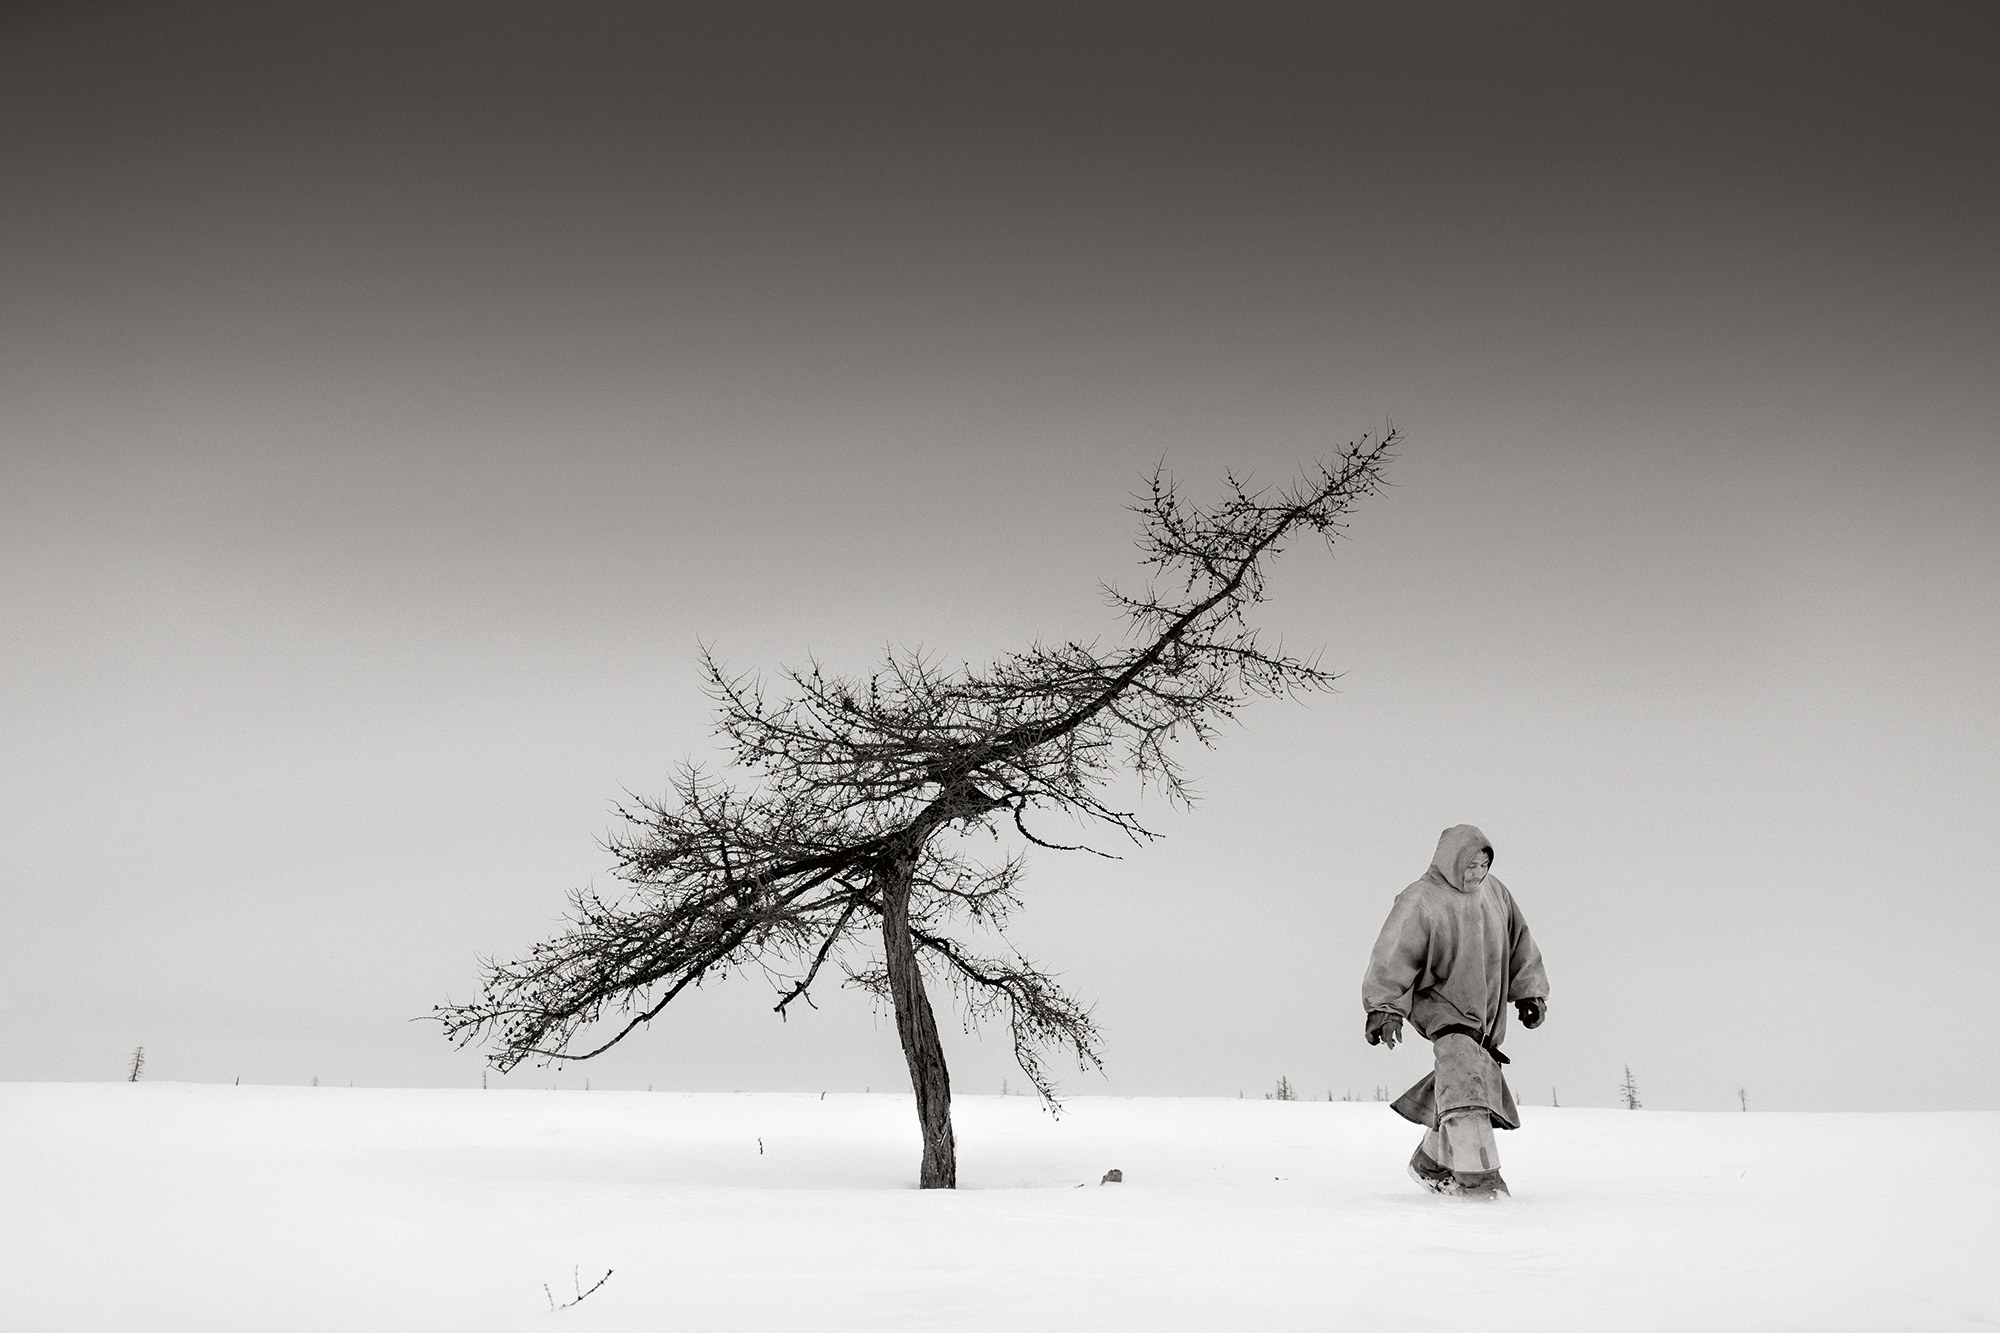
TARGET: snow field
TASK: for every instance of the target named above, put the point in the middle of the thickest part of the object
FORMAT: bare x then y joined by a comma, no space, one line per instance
172,1206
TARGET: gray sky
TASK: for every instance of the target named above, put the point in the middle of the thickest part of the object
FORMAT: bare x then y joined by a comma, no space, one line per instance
393,398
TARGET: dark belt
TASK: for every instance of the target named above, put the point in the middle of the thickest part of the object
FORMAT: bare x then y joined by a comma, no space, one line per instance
1474,1033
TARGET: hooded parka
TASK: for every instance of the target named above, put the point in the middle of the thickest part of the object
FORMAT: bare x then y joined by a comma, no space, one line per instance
1455,955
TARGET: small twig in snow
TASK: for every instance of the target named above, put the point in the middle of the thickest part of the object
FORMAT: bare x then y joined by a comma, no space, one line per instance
576,1285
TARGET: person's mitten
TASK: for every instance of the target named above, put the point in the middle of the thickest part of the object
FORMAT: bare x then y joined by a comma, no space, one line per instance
1385,1026
1532,1011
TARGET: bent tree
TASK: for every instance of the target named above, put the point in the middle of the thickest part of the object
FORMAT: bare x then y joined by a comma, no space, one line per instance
840,831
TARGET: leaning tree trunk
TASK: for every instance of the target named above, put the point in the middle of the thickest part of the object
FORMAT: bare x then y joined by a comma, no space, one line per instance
917,1029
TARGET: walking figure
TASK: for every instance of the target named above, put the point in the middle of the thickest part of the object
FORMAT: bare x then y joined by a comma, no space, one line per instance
1453,954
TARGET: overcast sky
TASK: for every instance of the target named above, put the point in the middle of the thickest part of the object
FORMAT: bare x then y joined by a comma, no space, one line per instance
394,398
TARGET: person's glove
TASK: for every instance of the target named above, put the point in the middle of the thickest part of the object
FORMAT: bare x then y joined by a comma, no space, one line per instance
1385,1027
1532,1011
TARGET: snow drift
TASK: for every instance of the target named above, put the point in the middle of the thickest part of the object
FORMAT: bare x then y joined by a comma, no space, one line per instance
166,1206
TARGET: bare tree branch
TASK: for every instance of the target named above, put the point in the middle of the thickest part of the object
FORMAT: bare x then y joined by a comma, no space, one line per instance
856,783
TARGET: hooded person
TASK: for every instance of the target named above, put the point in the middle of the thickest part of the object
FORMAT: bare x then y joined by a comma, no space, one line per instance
1454,953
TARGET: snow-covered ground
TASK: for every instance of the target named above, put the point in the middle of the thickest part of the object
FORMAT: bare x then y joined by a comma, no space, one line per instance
167,1206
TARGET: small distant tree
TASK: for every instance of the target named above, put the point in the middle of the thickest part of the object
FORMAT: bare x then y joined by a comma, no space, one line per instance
850,833
1743,1098
1628,1091
1283,1092
138,1064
